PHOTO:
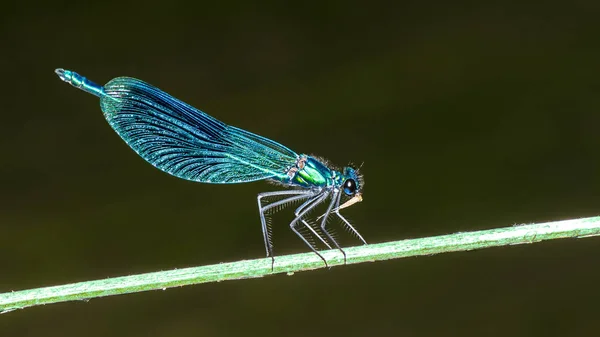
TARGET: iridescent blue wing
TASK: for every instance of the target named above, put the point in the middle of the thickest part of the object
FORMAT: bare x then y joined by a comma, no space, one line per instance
187,143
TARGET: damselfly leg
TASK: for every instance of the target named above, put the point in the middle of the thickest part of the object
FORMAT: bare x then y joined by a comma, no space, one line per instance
336,210
296,195
334,199
314,202
299,209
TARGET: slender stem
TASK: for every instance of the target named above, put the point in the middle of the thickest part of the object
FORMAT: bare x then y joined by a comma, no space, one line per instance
577,228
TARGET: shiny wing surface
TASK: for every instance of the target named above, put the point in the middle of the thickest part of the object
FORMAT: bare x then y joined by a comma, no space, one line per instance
184,141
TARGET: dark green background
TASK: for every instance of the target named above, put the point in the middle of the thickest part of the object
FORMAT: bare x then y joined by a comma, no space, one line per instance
467,117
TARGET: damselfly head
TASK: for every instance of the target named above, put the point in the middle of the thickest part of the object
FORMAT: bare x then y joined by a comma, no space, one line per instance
352,183
352,186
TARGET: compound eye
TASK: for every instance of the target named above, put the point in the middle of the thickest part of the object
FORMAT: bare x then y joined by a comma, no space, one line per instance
350,187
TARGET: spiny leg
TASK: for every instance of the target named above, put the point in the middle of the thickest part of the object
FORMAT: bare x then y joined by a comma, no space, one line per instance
294,222
298,196
261,209
334,199
299,209
287,200
336,210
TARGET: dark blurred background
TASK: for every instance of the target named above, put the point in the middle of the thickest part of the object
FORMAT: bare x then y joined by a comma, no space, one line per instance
467,116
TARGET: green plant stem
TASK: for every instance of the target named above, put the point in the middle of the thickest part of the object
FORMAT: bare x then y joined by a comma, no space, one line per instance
300,262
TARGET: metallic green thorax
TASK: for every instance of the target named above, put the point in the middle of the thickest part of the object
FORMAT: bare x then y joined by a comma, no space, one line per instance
309,172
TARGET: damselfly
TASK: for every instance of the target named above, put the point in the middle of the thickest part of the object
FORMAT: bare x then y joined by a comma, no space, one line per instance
187,143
